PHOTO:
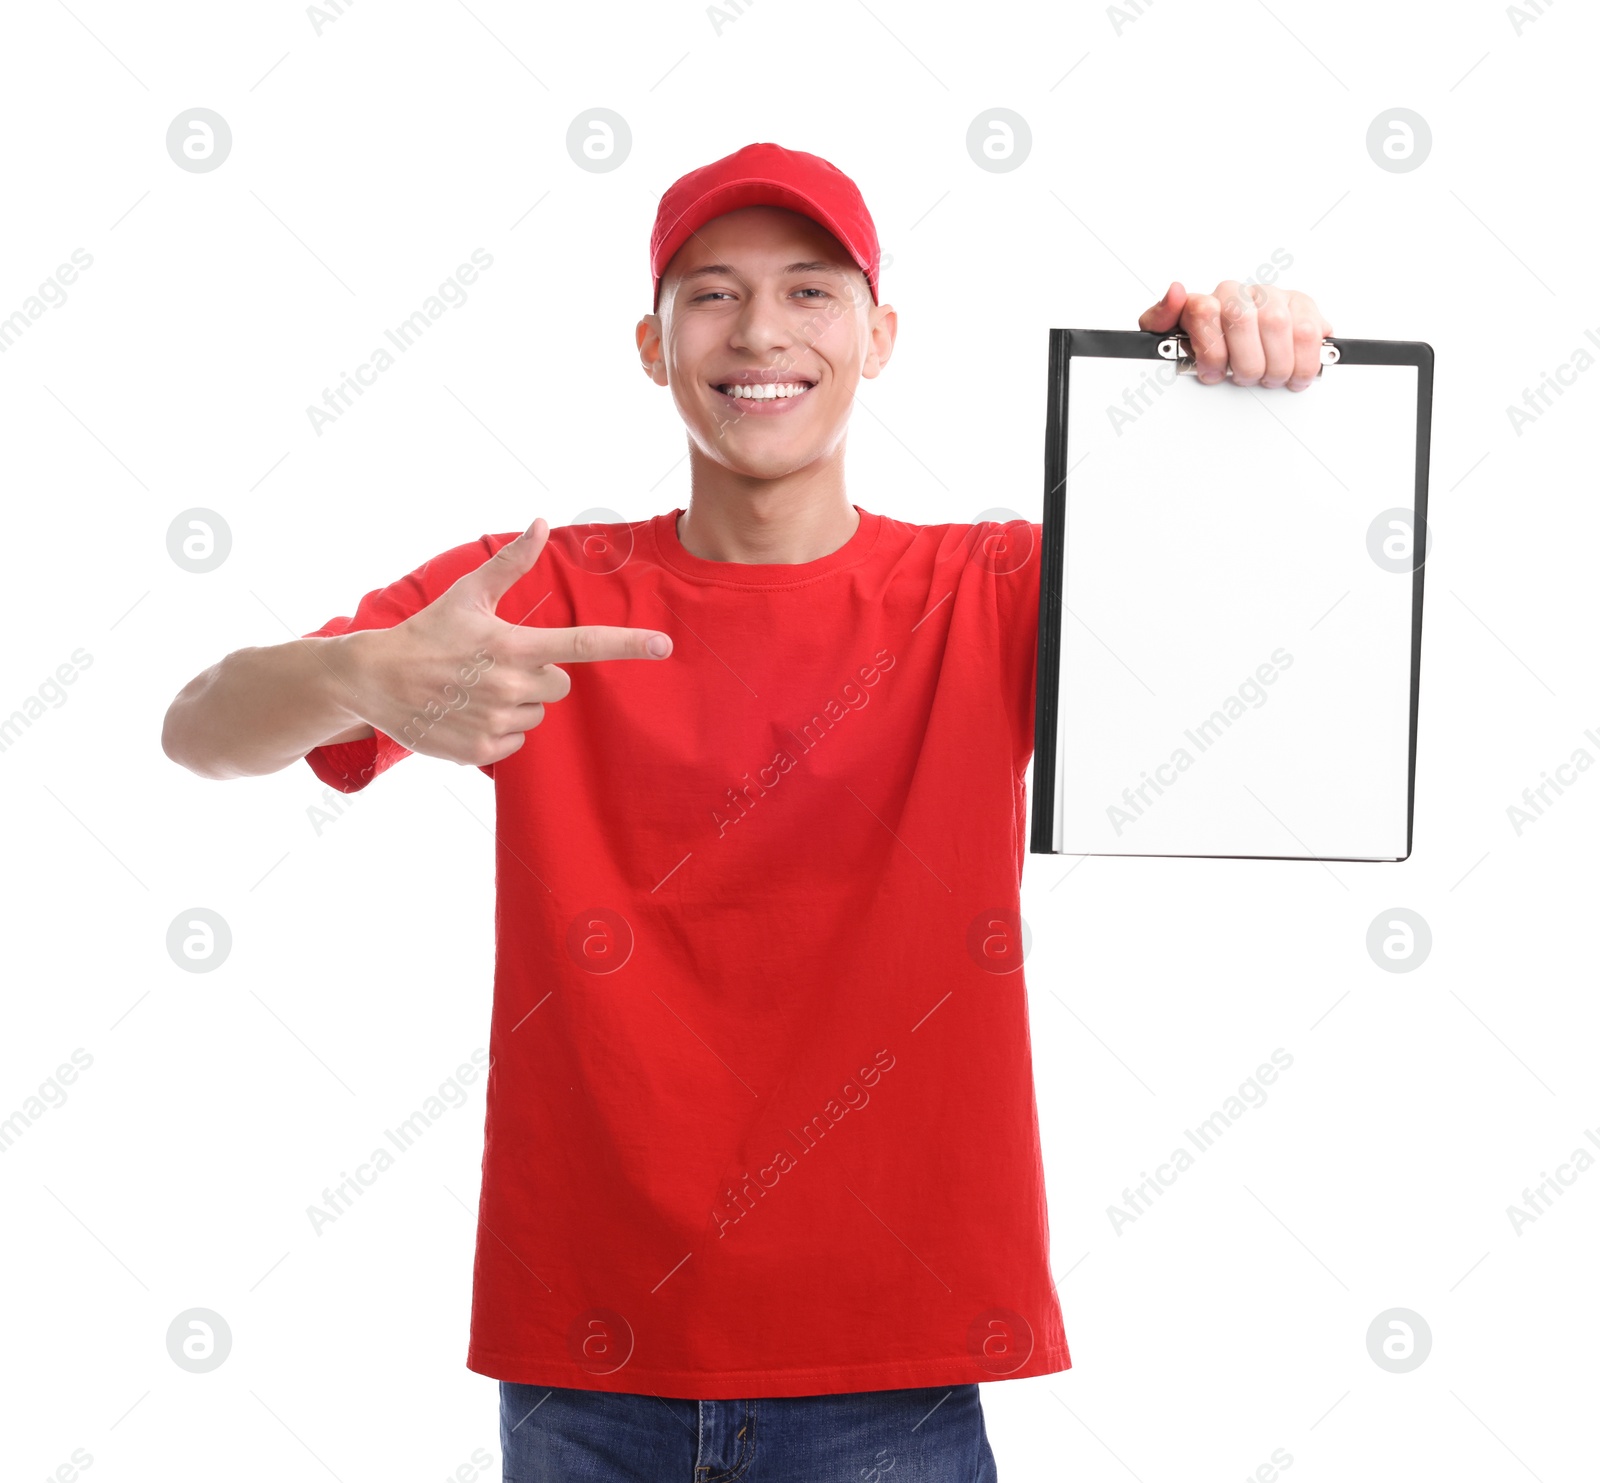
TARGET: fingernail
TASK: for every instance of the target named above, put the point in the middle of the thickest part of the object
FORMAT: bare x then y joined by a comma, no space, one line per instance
657,645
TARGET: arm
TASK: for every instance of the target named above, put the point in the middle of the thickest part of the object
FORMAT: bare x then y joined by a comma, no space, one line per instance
452,680
260,709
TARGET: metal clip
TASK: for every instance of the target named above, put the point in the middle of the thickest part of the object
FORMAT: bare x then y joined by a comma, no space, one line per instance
1179,349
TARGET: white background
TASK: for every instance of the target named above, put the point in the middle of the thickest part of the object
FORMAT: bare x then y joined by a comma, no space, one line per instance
1188,141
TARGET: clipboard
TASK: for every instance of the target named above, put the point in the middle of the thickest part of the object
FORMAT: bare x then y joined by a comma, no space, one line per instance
1230,613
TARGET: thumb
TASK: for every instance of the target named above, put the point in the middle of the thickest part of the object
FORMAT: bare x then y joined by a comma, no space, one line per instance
514,560
1163,314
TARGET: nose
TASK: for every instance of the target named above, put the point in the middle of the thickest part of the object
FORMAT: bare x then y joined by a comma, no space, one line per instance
763,326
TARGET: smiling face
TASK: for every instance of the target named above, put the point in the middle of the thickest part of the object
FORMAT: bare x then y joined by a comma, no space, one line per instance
765,327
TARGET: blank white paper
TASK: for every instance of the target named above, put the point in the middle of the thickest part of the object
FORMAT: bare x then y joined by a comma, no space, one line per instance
1235,664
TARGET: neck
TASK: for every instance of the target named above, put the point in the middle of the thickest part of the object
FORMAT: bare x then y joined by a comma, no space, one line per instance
802,516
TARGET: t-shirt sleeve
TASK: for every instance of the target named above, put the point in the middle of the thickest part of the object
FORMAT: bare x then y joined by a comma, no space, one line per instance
350,766
1017,565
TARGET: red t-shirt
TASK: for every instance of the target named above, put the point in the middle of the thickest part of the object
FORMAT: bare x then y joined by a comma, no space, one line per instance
761,1118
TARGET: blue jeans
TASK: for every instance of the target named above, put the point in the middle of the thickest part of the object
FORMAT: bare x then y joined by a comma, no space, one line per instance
552,1435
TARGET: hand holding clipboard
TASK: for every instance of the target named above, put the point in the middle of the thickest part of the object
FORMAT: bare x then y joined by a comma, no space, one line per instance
1231,600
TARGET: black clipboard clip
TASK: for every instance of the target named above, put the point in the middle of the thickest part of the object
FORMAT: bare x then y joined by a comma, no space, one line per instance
1177,348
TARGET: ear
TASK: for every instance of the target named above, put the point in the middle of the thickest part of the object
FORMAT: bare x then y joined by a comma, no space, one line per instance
882,324
652,354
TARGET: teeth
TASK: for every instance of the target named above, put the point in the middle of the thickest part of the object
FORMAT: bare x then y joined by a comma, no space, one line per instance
765,393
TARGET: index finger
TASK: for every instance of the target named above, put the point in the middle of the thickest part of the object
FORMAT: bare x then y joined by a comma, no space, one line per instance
593,641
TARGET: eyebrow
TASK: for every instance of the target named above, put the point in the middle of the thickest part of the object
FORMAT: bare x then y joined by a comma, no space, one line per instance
721,269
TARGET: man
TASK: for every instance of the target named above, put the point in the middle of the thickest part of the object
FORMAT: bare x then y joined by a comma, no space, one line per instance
762,1192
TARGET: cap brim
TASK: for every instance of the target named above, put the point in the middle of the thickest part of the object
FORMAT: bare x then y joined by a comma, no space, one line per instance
734,195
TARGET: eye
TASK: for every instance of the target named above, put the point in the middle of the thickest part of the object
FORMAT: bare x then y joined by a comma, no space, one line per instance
820,292
700,298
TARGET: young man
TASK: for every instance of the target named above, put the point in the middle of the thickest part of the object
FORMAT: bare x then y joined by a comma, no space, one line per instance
762,1192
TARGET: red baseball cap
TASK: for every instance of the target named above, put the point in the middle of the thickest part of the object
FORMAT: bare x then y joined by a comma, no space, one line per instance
764,175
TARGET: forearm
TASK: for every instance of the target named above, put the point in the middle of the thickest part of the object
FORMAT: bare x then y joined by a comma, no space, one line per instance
260,709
